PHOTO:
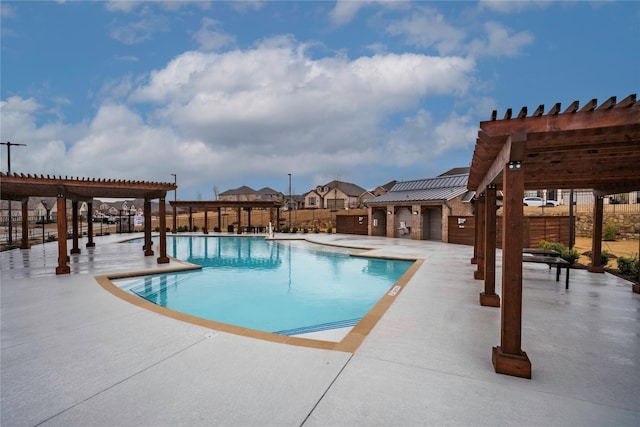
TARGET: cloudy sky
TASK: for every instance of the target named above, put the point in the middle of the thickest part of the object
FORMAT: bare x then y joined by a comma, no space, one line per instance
226,94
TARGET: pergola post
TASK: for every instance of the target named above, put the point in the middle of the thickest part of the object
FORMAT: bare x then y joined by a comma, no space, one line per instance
219,219
24,243
148,243
596,238
163,258
489,296
206,222
63,258
239,221
508,358
74,225
90,243
174,230
480,227
248,220
476,238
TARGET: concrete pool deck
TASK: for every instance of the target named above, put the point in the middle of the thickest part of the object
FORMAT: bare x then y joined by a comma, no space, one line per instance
74,354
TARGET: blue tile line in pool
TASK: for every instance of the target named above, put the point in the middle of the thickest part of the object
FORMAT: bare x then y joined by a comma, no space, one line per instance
321,327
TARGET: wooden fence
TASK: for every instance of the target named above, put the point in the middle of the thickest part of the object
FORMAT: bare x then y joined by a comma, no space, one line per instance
352,224
536,229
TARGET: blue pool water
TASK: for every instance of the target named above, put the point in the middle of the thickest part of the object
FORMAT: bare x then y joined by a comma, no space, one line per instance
286,287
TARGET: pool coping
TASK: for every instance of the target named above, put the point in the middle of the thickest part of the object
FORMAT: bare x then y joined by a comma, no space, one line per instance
349,343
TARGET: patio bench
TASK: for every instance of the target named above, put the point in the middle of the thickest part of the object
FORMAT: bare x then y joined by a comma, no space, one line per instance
541,252
550,261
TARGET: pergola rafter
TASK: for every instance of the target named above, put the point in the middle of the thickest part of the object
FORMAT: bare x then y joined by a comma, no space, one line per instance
594,147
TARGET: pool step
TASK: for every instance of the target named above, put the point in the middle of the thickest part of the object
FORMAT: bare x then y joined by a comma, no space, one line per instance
320,327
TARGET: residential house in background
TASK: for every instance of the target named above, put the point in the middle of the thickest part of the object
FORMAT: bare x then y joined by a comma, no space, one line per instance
420,209
294,202
336,195
382,189
248,194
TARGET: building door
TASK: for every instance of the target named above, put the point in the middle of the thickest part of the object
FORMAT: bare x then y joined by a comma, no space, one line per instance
432,224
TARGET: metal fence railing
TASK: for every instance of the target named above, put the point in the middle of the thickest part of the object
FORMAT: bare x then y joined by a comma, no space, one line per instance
42,230
617,203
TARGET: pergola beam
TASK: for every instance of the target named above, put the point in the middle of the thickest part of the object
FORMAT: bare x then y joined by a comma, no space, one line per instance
512,150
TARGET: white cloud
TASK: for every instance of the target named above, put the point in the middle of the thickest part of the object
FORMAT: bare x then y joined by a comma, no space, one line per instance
116,89
427,28
7,11
246,5
128,6
45,151
345,10
500,41
274,98
510,6
224,114
210,37
138,31
421,139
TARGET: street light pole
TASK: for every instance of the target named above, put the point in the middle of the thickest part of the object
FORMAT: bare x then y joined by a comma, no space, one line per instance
289,206
9,144
175,198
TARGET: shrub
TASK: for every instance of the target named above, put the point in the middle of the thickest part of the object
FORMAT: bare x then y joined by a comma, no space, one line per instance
157,229
216,229
610,231
569,255
316,230
555,246
182,229
195,228
305,230
329,230
629,265
604,257
285,229
294,230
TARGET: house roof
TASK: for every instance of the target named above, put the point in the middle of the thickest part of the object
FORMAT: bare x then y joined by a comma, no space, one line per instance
267,191
346,187
389,185
240,190
435,189
456,171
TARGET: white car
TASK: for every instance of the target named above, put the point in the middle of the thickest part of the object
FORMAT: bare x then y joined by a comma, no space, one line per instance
539,201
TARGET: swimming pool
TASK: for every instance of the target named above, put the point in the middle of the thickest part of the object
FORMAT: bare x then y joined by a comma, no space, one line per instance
283,287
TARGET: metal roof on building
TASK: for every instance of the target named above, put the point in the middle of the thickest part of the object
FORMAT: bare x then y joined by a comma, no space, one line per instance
424,190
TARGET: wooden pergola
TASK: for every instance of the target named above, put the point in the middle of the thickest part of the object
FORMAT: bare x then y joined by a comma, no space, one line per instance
209,205
20,187
594,147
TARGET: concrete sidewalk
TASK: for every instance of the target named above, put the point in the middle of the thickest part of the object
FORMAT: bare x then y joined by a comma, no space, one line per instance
74,354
